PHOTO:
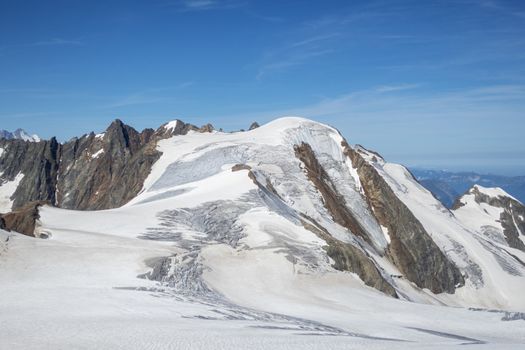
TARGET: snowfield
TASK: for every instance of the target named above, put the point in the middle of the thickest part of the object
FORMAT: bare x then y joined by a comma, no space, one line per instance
6,191
202,258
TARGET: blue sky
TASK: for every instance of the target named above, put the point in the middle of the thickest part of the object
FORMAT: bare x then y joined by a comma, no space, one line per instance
438,84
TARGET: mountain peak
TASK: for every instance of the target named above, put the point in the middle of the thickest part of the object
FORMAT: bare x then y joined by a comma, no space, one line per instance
19,134
494,213
172,125
492,192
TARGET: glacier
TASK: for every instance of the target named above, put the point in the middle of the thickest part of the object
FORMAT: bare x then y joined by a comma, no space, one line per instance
217,251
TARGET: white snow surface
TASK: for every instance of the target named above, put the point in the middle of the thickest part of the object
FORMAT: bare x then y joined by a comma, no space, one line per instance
243,272
481,217
171,125
494,192
97,153
6,191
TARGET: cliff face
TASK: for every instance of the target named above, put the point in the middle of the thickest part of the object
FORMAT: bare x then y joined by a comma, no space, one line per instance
105,171
334,202
346,256
38,162
88,173
411,248
22,220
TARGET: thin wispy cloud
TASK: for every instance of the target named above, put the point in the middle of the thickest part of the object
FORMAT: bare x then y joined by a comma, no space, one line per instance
385,105
199,4
315,39
499,6
149,96
399,87
21,115
346,18
23,90
312,38
139,98
47,93
57,42
398,123
304,48
267,18
496,50
206,5
292,60
4,50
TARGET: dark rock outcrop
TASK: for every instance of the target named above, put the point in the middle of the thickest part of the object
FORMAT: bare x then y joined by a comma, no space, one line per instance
88,173
346,256
100,172
38,162
411,248
23,220
239,167
334,203
176,127
350,258
206,128
254,125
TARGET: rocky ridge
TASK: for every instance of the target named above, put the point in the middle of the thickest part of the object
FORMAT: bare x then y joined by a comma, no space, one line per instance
493,204
93,172
313,178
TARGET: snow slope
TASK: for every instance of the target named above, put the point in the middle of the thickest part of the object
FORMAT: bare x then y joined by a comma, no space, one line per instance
495,275
202,258
6,191
478,215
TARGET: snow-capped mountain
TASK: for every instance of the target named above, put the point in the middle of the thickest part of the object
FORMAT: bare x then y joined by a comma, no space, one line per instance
448,186
18,134
228,240
494,213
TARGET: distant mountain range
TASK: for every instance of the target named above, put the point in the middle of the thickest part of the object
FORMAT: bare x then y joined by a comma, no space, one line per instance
447,186
18,134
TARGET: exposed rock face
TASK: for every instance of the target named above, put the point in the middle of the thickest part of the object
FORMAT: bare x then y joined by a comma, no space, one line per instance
206,128
335,204
100,172
175,127
87,173
411,248
346,256
350,258
254,125
239,167
22,220
512,217
38,162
